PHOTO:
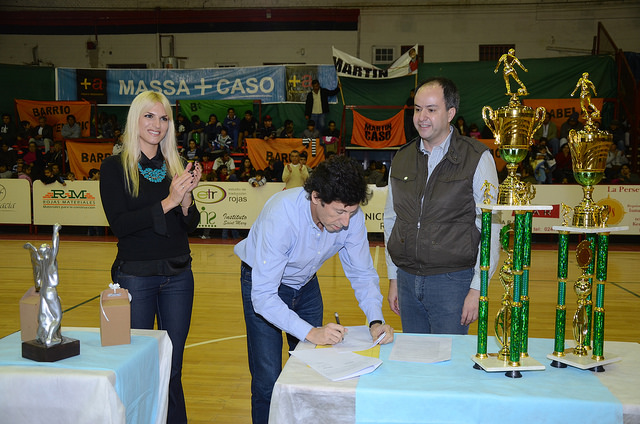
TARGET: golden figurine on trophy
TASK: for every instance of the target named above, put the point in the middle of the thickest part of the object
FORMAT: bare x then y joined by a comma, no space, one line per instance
513,127
582,288
589,148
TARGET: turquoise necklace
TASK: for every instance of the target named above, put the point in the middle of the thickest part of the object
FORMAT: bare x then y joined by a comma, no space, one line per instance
154,175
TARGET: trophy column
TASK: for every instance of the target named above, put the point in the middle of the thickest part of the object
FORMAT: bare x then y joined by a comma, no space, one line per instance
516,340
590,256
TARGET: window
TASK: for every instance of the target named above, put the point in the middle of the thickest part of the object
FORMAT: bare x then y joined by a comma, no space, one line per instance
383,55
493,51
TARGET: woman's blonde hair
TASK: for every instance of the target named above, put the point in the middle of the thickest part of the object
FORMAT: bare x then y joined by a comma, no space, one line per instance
131,145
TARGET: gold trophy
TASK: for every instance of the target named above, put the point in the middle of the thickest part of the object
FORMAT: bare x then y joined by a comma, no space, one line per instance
589,148
513,127
582,287
502,325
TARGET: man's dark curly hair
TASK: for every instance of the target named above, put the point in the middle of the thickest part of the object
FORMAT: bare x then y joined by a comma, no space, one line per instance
341,179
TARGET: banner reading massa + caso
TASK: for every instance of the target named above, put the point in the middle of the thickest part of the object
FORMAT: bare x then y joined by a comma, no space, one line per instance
265,83
56,113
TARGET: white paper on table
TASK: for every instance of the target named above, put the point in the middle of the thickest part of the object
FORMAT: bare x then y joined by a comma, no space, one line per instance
421,349
336,365
357,338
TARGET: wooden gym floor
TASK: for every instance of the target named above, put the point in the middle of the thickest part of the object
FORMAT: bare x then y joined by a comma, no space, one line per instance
215,375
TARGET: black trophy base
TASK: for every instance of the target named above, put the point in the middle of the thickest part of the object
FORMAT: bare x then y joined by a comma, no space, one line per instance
558,364
599,368
36,351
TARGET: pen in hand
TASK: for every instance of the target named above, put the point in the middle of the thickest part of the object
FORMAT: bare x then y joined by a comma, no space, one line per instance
337,318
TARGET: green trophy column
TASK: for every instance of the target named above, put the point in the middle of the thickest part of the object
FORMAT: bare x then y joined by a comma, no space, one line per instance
591,238
526,262
516,306
601,279
561,309
483,306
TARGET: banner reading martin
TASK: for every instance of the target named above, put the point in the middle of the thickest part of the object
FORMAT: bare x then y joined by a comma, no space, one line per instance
350,66
265,83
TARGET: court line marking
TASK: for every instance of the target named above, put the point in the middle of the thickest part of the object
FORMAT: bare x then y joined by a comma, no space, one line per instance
215,341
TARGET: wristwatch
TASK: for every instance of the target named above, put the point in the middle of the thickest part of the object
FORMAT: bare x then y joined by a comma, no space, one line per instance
376,321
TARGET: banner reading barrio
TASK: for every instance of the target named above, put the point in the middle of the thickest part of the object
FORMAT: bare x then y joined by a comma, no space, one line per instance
260,151
85,156
378,134
56,113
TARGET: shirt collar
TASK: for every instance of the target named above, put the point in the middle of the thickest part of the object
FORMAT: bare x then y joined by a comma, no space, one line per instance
444,146
154,162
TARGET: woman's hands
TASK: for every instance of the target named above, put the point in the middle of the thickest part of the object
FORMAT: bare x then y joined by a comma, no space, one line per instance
181,187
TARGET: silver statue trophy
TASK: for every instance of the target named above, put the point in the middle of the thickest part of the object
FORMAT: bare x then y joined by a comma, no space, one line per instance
49,344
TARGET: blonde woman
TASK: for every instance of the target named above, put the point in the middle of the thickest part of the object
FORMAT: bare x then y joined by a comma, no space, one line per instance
146,196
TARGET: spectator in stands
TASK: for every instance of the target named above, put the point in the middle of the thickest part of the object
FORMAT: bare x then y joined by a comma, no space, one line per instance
70,176
8,131
303,161
110,126
294,174
197,130
207,165
626,176
317,103
49,177
259,180
373,174
331,137
71,129
55,155
570,124
34,156
94,174
615,160
224,160
193,152
474,131
8,156
25,135
564,170
211,130
247,128
273,171
461,126
287,130
183,126
224,140
618,133
223,173
549,132
5,172
232,122
118,147
267,131
311,132
246,171
43,133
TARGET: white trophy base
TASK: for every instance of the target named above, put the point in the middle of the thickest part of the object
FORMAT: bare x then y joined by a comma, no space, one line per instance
583,362
493,364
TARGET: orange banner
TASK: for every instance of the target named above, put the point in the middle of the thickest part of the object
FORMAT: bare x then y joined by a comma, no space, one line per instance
561,109
85,155
378,134
260,151
56,114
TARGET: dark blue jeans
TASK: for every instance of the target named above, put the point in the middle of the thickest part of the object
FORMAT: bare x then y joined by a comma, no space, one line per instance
170,299
264,340
433,304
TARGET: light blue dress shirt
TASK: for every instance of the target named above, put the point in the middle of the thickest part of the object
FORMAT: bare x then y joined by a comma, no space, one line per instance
285,246
485,171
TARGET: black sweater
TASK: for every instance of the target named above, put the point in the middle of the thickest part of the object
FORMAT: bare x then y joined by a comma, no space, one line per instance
144,232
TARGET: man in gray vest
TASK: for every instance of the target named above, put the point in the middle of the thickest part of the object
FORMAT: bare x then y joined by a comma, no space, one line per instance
432,225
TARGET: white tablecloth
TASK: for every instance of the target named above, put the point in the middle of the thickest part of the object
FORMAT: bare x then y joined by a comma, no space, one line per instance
54,394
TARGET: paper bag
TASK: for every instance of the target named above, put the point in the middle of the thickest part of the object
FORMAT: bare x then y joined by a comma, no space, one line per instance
29,309
115,317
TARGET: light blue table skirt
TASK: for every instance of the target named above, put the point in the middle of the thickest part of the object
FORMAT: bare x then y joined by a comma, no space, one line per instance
454,392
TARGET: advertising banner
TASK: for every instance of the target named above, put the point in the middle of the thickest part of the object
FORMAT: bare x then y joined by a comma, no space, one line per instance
232,205
204,108
265,83
56,113
378,134
76,203
85,156
299,79
15,201
260,151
